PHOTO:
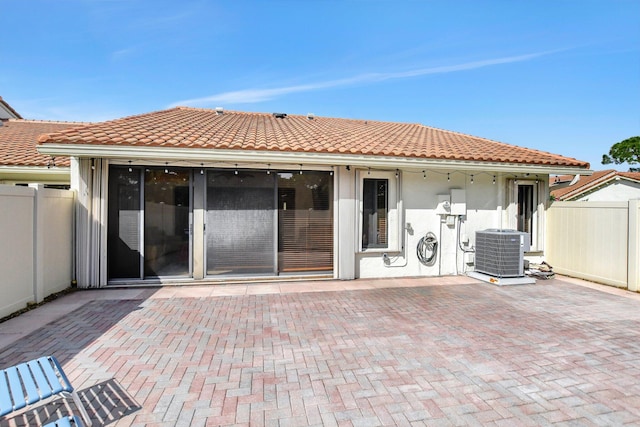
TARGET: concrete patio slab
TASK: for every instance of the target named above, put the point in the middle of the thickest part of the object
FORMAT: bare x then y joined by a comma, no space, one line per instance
437,351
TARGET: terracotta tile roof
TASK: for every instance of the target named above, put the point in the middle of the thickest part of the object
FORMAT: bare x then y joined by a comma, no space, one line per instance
19,139
586,183
186,127
635,176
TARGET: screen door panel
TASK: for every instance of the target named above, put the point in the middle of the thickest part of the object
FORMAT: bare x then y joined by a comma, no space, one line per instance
166,223
124,224
240,224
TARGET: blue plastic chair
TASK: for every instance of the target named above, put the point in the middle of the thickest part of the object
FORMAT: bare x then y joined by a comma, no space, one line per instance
30,382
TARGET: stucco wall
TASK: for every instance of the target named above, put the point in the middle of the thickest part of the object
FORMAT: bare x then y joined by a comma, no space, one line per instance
484,204
490,198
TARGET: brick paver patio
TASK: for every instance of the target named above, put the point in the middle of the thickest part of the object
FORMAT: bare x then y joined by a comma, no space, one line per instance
445,351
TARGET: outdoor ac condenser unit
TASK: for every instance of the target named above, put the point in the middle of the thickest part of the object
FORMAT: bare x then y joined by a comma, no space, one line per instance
500,253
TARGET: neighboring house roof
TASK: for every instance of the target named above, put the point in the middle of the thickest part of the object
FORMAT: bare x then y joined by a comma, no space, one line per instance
6,112
585,184
19,139
193,128
634,176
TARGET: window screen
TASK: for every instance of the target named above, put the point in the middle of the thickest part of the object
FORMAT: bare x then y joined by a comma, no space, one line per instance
240,230
124,223
375,213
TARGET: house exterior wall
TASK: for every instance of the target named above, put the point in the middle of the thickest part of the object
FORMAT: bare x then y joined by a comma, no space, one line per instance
616,191
345,218
488,198
419,200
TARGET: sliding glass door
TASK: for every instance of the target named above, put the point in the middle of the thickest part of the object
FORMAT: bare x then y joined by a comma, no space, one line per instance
255,223
305,222
124,224
148,223
260,223
166,222
240,232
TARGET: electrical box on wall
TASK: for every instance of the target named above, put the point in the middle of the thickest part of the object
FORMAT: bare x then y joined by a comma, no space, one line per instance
444,204
469,258
458,202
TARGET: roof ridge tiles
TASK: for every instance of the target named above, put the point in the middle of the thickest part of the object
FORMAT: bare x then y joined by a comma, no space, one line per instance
289,115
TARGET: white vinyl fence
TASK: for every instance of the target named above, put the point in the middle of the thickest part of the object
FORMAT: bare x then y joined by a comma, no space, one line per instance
36,234
597,241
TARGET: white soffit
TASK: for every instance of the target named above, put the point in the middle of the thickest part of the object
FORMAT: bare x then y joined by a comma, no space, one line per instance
324,159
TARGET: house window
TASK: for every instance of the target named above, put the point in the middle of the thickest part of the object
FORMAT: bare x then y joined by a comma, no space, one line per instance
375,212
378,223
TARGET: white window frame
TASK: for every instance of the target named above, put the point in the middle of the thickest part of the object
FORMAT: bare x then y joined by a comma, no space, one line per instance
393,208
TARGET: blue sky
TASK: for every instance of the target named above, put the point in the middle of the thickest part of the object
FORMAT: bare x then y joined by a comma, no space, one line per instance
560,76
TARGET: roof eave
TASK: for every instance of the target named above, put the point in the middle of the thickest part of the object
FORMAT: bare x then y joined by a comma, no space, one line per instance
35,173
306,158
626,178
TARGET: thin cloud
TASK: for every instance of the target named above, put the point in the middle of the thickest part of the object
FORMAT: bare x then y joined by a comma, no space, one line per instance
252,96
124,53
162,22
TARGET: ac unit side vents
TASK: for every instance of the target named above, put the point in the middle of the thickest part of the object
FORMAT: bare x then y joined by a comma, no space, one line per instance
500,253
